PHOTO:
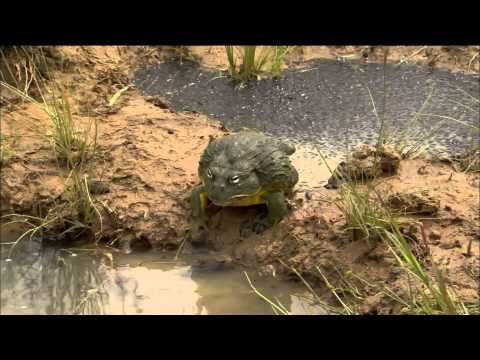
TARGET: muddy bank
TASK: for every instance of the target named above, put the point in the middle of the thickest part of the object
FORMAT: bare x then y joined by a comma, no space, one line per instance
148,158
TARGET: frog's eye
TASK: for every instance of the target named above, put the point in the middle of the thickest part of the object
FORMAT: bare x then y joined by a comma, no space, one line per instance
234,179
209,174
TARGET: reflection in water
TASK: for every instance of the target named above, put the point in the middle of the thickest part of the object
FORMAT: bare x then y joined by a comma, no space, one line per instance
44,280
154,291
216,291
52,281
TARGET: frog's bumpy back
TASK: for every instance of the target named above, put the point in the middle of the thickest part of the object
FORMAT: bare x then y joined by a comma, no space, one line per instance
265,155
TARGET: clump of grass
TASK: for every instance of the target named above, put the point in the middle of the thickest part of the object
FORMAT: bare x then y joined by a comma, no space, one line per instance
372,217
77,216
409,138
367,215
428,295
253,64
5,151
22,66
277,307
402,136
277,59
470,161
364,218
85,215
71,144
418,299
184,52
250,66
18,66
369,219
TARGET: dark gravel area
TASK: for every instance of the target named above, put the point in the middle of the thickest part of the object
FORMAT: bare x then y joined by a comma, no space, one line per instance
326,102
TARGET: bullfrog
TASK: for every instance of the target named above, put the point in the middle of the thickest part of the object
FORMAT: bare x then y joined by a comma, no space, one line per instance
244,169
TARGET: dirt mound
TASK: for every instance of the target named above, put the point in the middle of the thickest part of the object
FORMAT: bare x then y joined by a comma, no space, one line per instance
414,203
365,163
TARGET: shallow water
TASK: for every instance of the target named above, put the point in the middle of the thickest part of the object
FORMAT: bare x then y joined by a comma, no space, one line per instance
44,280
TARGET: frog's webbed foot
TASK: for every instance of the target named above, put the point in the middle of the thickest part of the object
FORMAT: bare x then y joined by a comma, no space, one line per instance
276,211
126,246
256,226
198,230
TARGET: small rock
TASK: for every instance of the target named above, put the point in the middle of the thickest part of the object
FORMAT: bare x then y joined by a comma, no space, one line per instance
448,208
422,170
457,220
332,184
157,101
410,230
450,245
434,235
443,158
414,203
213,263
377,254
44,193
98,187
333,237
365,163
371,304
397,270
171,131
363,152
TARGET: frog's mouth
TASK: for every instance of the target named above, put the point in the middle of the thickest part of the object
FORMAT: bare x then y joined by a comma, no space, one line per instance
235,198
242,196
231,200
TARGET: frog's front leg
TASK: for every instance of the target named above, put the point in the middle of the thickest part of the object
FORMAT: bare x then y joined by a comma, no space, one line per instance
276,206
198,202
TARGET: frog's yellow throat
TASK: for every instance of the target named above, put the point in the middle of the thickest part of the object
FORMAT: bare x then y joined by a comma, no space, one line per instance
254,199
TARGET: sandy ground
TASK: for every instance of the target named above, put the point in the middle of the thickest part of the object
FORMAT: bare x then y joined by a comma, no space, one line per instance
148,155
454,58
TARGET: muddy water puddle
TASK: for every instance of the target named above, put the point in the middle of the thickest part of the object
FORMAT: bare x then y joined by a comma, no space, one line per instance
44,280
